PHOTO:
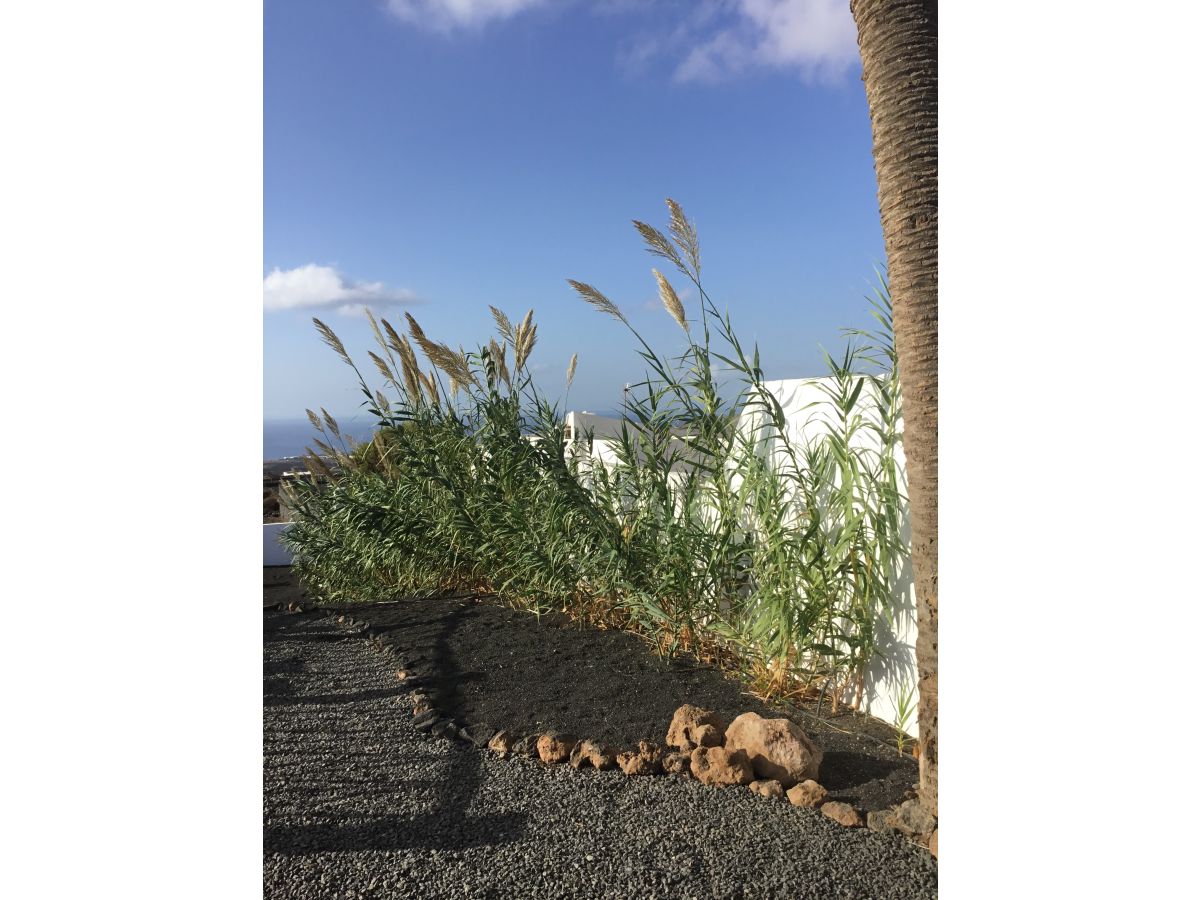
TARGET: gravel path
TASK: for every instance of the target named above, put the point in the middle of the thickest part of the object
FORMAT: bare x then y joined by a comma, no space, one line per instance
357,803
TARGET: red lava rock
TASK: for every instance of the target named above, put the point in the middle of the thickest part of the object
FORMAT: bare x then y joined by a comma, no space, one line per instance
807,794
877,820
933,843
912,819
843,814
555,748
646,760
772,790
677,763
592,753
502,742
778,749
526,746
479,734
719,766
693,727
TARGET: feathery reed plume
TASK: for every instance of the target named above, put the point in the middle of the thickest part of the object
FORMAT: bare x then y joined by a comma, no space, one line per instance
519,338
410,369
393,337
671,300
434,397
684,233
329,420
502,324
597,299
382,402
657,243
415,329
525,344
464,365
452,362
375,328
315,419
439,354
316,465
504,366
496,352
381,365
571,368
333,341
381,450
325,448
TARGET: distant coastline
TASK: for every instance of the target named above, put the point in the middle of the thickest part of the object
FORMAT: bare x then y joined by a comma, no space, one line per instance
288,438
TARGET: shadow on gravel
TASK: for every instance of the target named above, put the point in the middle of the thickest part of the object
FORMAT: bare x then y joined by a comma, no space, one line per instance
304,637
449,823
275,688
843,770
288,665
328,699
427,832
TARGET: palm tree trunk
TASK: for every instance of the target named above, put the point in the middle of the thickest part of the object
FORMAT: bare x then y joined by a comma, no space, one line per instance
898,43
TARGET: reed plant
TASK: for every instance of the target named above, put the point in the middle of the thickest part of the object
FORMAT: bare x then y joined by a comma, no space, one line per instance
720,529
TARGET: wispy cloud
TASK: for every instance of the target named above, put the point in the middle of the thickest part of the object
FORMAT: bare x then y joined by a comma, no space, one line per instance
700,40
448,15
323,287
817,38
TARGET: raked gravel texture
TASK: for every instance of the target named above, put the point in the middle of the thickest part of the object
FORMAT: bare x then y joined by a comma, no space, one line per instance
357,803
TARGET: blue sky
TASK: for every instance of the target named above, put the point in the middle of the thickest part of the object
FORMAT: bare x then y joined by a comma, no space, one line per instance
438,156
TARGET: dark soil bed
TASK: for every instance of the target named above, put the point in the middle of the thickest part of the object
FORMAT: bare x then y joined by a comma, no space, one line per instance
482,662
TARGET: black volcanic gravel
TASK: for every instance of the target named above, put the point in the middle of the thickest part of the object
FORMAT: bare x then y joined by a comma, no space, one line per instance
357,803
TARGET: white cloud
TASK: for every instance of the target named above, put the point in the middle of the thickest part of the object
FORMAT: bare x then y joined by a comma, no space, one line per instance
323,287
717,39
446,15
817,37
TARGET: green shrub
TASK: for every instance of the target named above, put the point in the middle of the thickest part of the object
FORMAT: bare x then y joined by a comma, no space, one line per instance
715,532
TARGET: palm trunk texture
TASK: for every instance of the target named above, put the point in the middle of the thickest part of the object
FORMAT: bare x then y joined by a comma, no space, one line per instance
898,43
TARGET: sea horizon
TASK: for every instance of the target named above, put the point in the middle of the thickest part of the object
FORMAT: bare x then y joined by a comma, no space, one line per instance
288,438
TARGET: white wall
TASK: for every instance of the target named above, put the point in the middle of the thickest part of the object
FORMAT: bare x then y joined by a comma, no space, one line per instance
895,665
274,553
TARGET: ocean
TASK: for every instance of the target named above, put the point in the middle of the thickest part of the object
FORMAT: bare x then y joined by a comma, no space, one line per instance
283,438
